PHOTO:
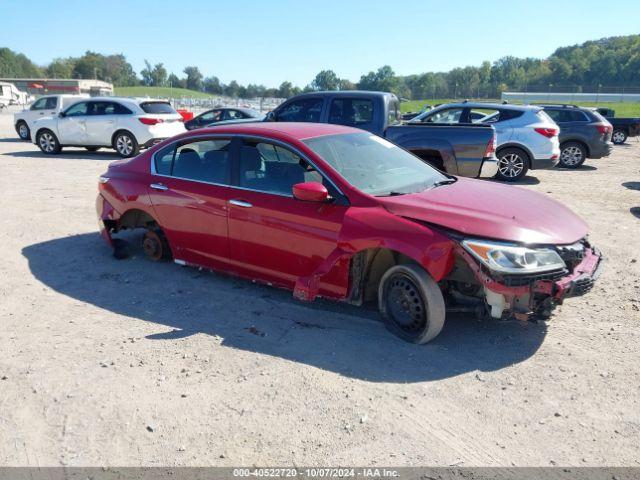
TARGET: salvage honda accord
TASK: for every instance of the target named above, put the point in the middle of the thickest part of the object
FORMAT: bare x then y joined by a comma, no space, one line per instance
333,211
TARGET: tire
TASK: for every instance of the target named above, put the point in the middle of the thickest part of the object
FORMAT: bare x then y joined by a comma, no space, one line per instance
155,246
48,142
23,130
572,155
619,137
126,144
92,149
513,164
411,303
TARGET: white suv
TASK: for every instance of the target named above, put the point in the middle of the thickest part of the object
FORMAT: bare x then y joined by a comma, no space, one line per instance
46,106
527,137
125,124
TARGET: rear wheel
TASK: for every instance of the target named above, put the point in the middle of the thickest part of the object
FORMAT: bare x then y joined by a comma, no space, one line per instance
155,245
411,303
126,144
48,142
23,131
619,137
513,164
572,154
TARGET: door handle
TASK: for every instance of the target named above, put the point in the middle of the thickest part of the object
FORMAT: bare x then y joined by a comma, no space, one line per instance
159,186
240,203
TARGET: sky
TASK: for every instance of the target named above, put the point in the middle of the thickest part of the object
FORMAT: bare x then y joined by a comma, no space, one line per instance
268,42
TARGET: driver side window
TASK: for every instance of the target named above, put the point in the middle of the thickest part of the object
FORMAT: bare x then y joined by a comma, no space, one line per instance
39,104
305,110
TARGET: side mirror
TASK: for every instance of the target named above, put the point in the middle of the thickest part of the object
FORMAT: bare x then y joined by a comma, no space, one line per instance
62,114
270,117
310,192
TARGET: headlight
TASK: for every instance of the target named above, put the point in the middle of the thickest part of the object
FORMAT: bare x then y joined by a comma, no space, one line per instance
510,258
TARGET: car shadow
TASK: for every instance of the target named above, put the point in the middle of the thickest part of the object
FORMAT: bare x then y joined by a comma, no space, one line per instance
68,154
581,168
635,211
526,180
332,336
631,185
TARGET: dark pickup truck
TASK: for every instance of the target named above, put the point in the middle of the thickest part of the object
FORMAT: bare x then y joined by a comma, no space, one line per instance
466,150
622,127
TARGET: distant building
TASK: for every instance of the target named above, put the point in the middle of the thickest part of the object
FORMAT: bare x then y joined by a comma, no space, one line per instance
45,86
550,97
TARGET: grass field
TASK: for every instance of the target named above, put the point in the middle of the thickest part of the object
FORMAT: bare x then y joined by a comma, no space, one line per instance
621,109
163,92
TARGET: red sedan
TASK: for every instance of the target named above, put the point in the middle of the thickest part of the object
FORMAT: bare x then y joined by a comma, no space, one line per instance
337,212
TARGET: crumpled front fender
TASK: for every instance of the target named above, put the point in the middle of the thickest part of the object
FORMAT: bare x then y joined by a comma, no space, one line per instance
369,228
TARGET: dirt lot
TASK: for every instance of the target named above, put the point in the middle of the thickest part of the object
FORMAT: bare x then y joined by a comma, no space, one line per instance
107,362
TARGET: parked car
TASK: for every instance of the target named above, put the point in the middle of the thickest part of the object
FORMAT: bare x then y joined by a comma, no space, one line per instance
221,114
465,150
125,124
333,211
48,105
584,133
622,127
410,115
527,138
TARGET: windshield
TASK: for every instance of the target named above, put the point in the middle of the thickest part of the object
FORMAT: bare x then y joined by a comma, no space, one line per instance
375,166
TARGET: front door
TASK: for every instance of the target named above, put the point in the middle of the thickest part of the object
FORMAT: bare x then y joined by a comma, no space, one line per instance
272,236
72,128
189,191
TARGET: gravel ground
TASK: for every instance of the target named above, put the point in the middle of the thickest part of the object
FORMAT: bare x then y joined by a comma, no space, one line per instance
132,363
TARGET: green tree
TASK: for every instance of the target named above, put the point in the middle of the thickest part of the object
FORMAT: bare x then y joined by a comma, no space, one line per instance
194,78
326,80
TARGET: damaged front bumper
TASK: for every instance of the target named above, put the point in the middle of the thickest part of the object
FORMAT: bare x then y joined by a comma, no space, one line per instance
525,296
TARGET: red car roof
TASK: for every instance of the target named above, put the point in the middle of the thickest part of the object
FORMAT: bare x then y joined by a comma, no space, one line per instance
295,130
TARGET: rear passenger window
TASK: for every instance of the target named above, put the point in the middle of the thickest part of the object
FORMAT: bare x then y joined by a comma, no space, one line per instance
351,111
203,161
270,168
305,110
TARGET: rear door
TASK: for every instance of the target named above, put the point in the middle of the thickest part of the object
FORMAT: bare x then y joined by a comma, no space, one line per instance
500,119
272,236
189,192
101,122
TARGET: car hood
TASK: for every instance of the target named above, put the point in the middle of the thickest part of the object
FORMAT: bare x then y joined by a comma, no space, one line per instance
486,209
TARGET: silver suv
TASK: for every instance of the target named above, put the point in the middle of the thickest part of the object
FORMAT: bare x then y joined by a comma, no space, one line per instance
527,137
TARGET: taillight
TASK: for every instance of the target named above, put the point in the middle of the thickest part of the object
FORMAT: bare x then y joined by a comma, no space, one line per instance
547,132
150,121
604,129
491,146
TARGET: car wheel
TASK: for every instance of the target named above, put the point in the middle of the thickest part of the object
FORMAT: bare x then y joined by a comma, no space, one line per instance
572,154
92,149
155,245
126,145
23,131
411,303
619,137
48,142
513,164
